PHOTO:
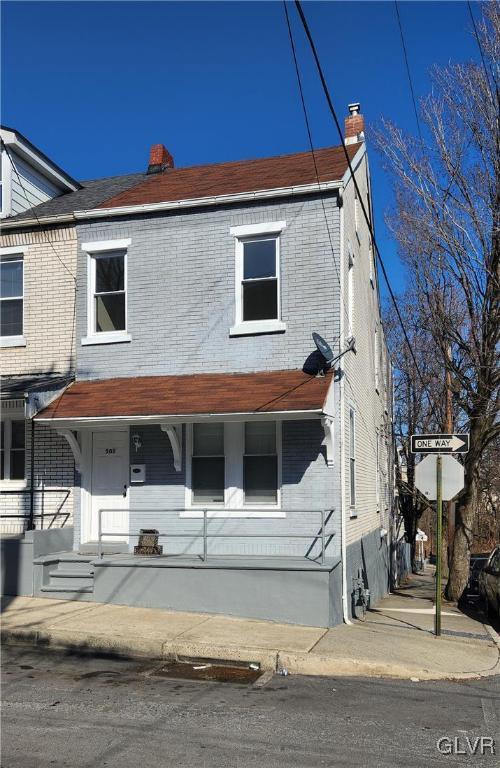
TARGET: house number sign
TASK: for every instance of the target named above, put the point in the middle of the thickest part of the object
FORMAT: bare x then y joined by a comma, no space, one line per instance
109,450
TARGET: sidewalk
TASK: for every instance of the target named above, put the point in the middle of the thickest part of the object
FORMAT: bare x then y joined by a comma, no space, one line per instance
395,640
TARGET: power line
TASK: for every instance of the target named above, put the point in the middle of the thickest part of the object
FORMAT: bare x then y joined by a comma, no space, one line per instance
481,53
360,199
410,81
311,145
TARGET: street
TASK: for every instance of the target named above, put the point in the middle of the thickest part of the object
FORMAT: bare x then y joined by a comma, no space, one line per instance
67,710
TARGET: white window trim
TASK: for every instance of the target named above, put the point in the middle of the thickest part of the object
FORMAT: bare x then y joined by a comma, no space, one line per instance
11,253
8,484
241,233
376,360
352,442
234,447
93,250
350,290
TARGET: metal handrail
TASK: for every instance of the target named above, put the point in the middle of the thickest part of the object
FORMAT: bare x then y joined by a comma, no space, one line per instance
205,535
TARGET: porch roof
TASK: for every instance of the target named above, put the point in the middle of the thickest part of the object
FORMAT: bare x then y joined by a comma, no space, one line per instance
153,398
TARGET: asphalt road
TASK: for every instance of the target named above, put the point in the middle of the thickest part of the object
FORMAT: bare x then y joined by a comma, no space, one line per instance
61,710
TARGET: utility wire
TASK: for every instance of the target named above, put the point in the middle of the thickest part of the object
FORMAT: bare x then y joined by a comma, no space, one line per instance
481,53
410,81
361,201
311,145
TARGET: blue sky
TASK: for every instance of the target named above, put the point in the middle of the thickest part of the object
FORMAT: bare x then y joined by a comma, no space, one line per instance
94,84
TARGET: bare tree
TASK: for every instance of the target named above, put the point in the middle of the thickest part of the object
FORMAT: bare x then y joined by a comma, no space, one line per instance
446,222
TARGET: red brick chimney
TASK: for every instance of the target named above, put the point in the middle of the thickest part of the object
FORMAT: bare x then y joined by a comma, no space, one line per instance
159,159
354,125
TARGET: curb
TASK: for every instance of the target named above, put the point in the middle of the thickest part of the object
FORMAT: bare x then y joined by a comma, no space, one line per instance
270,660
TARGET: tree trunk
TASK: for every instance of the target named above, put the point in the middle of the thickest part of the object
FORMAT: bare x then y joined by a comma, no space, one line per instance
460,562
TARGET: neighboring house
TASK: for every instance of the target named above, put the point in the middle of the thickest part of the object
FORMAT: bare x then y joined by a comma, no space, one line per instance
197,406
27,176
37,329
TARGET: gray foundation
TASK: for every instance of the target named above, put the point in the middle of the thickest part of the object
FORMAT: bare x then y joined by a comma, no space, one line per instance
371,554
18,553
309,596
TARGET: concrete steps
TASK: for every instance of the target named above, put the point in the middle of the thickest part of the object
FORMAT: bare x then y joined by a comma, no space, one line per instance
68,574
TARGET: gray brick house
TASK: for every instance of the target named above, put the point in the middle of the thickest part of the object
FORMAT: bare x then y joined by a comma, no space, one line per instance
201,406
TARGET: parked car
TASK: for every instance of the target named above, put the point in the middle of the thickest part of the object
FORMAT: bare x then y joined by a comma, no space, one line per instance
477,563
489,584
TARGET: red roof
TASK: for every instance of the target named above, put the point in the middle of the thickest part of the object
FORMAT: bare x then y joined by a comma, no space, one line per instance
236,177
203,393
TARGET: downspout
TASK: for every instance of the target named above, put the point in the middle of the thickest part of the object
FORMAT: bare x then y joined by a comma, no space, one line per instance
31,521
343,538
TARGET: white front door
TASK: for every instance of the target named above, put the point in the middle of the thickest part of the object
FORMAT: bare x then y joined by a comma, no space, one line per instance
109,484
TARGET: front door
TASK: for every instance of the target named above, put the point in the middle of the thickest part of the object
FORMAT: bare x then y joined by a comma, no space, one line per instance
110,459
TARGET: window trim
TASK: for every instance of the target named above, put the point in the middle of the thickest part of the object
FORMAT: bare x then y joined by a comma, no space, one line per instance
8,483
247,233
93,251
352,458
350,289
15,253
234,446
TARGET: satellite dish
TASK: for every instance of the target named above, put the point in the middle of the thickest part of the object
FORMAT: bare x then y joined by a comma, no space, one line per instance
323,348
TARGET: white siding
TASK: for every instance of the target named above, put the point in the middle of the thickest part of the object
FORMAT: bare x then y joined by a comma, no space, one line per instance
28,186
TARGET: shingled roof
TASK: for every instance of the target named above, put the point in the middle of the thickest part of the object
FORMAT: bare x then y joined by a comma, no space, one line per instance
189,395
201,181
91,195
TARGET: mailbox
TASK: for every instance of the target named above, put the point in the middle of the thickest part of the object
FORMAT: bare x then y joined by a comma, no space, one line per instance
137,473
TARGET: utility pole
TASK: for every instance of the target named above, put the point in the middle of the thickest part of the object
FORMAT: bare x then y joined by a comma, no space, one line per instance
448,427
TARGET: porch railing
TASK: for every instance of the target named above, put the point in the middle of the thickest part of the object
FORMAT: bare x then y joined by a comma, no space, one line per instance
324,515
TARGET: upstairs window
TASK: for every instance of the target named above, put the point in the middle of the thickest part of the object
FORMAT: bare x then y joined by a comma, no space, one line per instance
257,270
109,292
12,450
11,296
260,282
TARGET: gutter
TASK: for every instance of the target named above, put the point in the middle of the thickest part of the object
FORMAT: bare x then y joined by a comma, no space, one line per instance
174,205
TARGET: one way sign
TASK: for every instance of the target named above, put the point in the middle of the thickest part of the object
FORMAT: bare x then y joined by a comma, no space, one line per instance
439,443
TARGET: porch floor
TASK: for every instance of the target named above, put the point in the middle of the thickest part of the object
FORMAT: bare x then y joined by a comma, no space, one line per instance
224,562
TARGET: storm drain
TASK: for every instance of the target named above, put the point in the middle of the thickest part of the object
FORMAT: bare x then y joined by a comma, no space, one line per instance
217,672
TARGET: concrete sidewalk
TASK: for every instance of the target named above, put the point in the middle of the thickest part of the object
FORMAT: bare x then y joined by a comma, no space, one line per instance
395,640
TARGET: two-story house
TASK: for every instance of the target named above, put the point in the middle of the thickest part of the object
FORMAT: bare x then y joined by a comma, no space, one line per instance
201,406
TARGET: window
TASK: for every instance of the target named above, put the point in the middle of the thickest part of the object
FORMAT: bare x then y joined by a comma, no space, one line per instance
260,463
234,468
11,296
12,449
107,299
257,271
350,293
377,470
352,459
356,213
376,362
208,464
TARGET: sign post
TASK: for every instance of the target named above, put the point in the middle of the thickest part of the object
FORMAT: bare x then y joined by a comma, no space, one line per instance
430,481
439,542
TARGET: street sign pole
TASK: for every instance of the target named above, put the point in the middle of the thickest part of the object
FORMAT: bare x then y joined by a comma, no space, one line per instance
439,543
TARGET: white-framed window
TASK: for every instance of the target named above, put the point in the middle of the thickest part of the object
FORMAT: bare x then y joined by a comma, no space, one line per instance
352,460
371,256
258,282
13,452
350,291
357,215
376,361
234,469
106,292
377,469
12,298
